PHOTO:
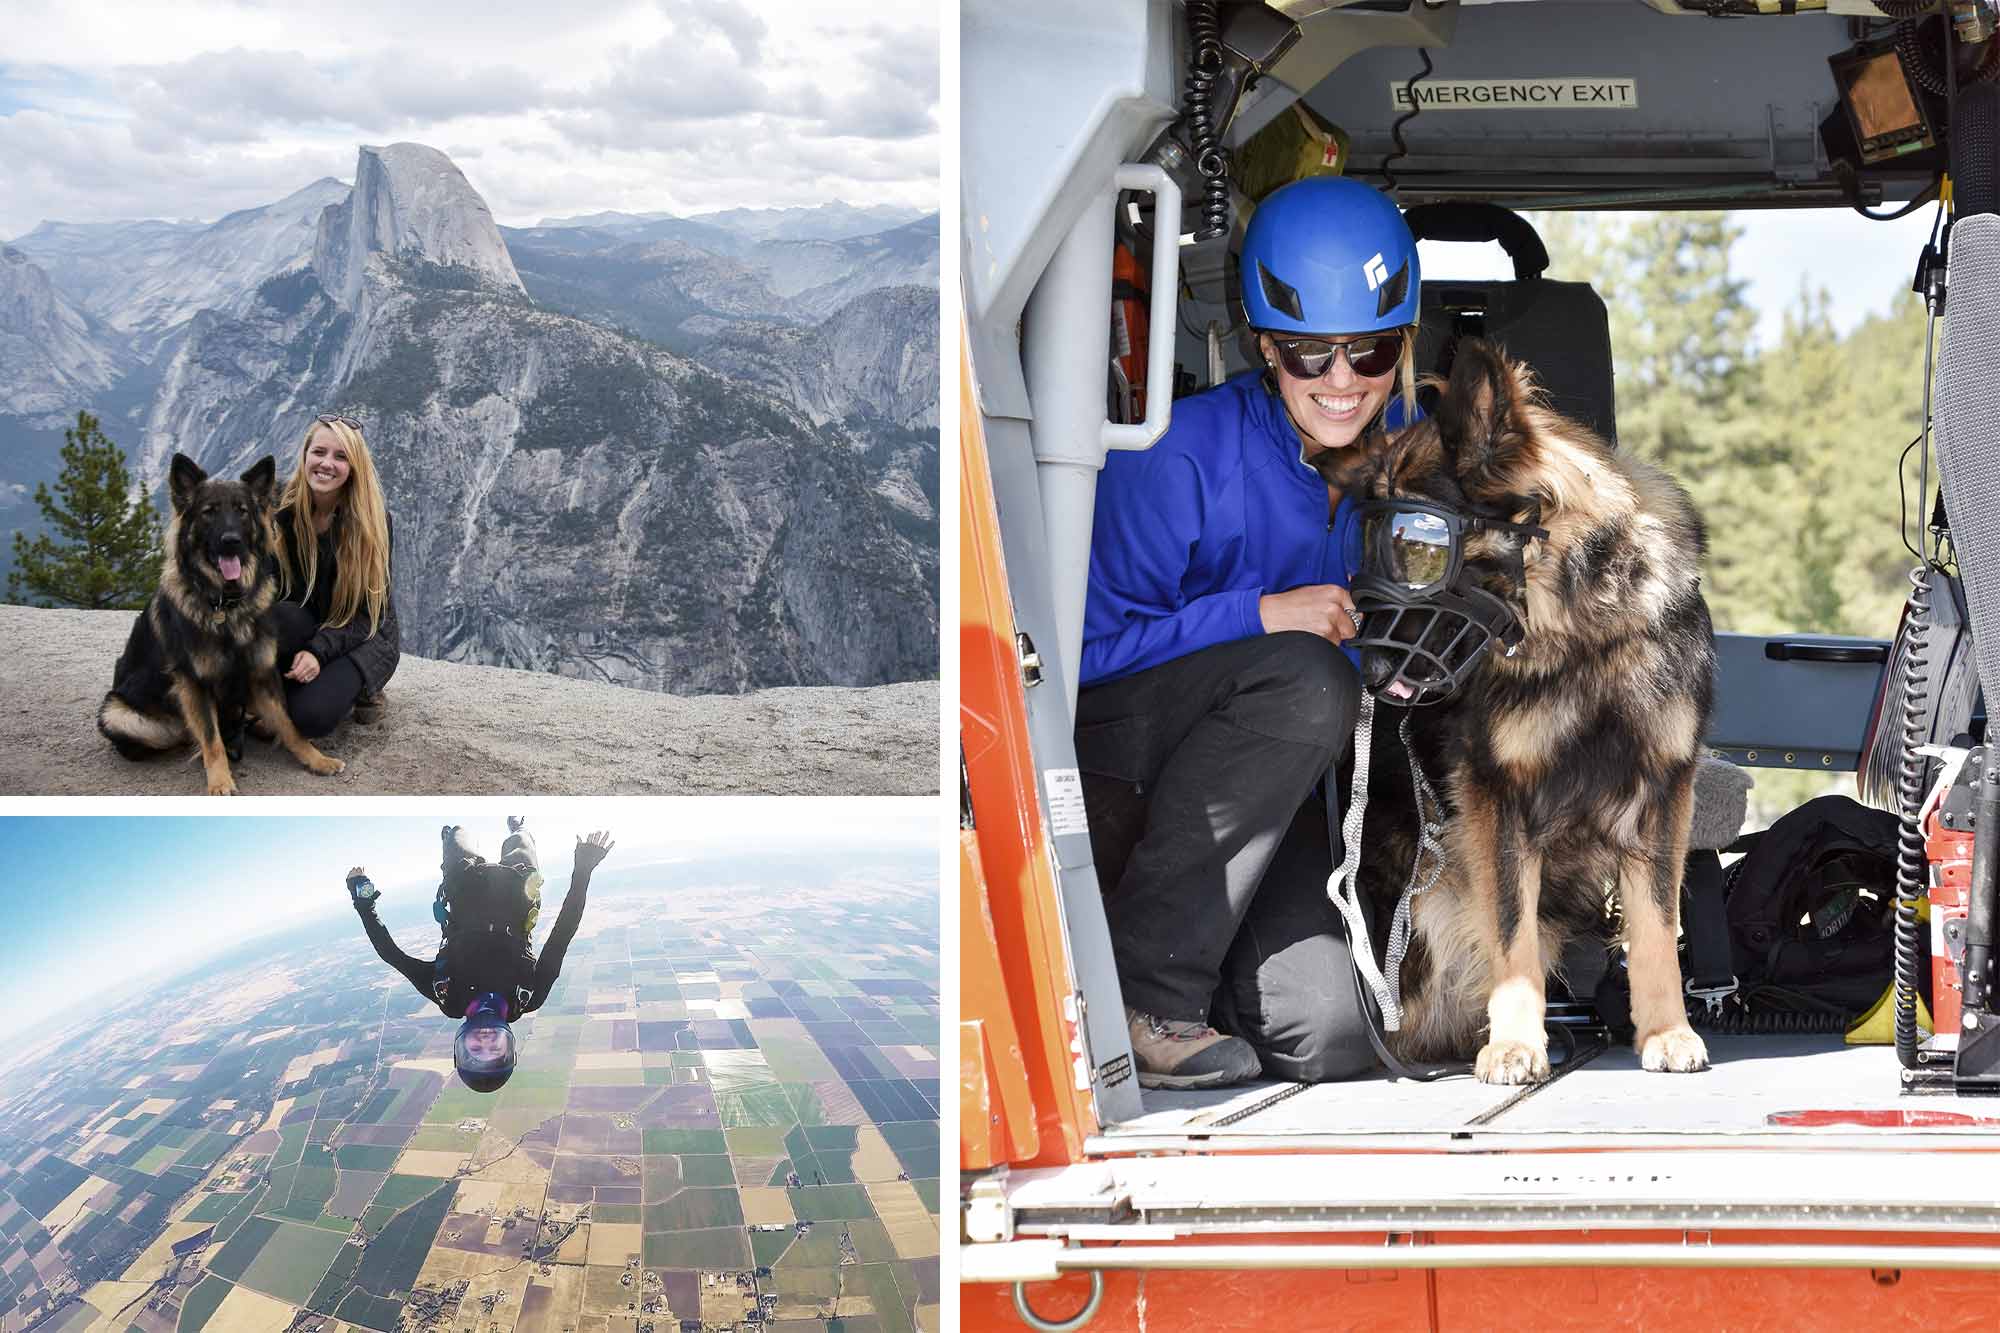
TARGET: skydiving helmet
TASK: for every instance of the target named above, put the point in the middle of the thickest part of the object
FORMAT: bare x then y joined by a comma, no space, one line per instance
484,1049
1426,626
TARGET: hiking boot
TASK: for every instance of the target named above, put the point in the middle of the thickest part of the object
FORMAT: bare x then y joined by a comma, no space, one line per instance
1187,1053
368,708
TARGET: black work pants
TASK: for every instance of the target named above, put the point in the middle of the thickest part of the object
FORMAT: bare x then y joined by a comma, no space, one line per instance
317,706
1212,851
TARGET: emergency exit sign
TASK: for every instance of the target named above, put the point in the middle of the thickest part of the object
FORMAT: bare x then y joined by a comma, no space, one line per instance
1577,94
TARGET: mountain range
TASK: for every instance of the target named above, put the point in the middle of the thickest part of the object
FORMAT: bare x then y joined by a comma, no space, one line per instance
683,454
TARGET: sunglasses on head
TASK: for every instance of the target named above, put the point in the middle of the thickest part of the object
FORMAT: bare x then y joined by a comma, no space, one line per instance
1309,358
335,419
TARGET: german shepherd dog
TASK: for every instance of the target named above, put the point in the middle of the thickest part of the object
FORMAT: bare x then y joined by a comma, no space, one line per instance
204,648
1568,765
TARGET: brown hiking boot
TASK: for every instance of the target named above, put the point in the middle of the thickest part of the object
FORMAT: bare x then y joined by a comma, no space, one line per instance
369,707
1187,1053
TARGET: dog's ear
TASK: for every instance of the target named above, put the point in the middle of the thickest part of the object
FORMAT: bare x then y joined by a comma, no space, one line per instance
260,478
1480,421
184,478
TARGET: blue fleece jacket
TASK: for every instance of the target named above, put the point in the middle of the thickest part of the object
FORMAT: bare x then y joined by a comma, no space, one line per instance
1190,533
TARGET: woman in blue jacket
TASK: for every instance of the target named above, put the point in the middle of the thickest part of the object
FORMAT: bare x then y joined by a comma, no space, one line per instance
1214,693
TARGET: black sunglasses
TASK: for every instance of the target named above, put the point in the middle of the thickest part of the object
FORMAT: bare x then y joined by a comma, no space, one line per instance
1422,545
1309,358
335,419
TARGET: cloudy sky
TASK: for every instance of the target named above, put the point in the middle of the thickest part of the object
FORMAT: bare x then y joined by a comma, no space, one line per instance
190,110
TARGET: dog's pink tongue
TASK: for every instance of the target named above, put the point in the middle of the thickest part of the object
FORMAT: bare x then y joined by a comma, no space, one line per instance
1399,690
231,567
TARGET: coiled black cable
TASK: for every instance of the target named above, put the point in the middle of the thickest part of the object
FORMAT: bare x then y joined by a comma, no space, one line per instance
1748,1021
1911,861
1925,47
1198,108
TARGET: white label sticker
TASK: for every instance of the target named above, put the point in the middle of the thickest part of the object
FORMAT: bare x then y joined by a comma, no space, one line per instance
1065,788
1561,94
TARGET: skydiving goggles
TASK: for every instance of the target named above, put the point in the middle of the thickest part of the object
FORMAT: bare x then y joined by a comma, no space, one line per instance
1309,358
1424,628
1421,546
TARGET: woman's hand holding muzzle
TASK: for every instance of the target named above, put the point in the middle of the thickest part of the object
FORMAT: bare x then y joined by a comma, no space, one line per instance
1325,609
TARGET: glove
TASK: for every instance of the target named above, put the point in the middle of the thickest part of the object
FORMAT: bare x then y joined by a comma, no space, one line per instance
591,851
361,888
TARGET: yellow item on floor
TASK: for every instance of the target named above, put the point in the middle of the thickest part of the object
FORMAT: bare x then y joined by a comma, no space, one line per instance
1877,1027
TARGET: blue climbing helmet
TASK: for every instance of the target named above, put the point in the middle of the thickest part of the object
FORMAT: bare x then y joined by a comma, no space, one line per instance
1329,255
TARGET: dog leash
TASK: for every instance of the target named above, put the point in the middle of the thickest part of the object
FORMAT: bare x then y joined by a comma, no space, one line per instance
1430,838
1341,886
1345,895
1385,983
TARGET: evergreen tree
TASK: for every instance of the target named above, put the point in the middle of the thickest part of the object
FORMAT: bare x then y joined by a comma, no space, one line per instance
1681,330
1815,586
109,555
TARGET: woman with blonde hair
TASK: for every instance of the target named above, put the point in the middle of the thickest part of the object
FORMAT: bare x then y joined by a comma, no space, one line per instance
338,642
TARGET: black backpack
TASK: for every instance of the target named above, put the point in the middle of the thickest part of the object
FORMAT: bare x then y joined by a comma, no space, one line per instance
1812,905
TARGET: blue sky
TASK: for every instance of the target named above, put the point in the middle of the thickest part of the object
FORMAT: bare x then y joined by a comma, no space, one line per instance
1860,264
91,905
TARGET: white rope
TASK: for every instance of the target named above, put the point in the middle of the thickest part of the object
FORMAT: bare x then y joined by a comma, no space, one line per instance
1430,830
1342,889
1340,886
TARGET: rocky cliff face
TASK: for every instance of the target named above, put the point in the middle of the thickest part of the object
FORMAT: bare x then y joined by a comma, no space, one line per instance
50,352
91,262
147,280
409,204
875,358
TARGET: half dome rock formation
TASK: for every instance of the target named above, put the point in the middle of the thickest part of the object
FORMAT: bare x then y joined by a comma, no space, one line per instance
411,205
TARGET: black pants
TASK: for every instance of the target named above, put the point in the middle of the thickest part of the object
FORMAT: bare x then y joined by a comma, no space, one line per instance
1212,851
317,706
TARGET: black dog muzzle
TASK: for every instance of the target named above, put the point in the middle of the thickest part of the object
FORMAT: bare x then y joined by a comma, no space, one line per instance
1419,649
1424,625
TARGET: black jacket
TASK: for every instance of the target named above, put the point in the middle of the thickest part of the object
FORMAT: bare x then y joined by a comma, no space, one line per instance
487,961
374,655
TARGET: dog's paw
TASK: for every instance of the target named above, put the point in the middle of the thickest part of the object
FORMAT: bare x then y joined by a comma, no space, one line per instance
1675,1049
326,766
224,786
1512,1062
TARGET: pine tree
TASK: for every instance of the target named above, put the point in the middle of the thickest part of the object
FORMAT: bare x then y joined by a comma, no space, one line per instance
109,554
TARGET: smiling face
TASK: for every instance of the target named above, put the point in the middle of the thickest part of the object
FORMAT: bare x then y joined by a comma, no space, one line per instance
1329,412
326,466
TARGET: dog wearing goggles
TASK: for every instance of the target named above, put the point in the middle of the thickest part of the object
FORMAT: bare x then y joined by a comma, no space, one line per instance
1535,600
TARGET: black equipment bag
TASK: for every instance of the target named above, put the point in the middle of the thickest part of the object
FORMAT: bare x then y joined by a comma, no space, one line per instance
1812,904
